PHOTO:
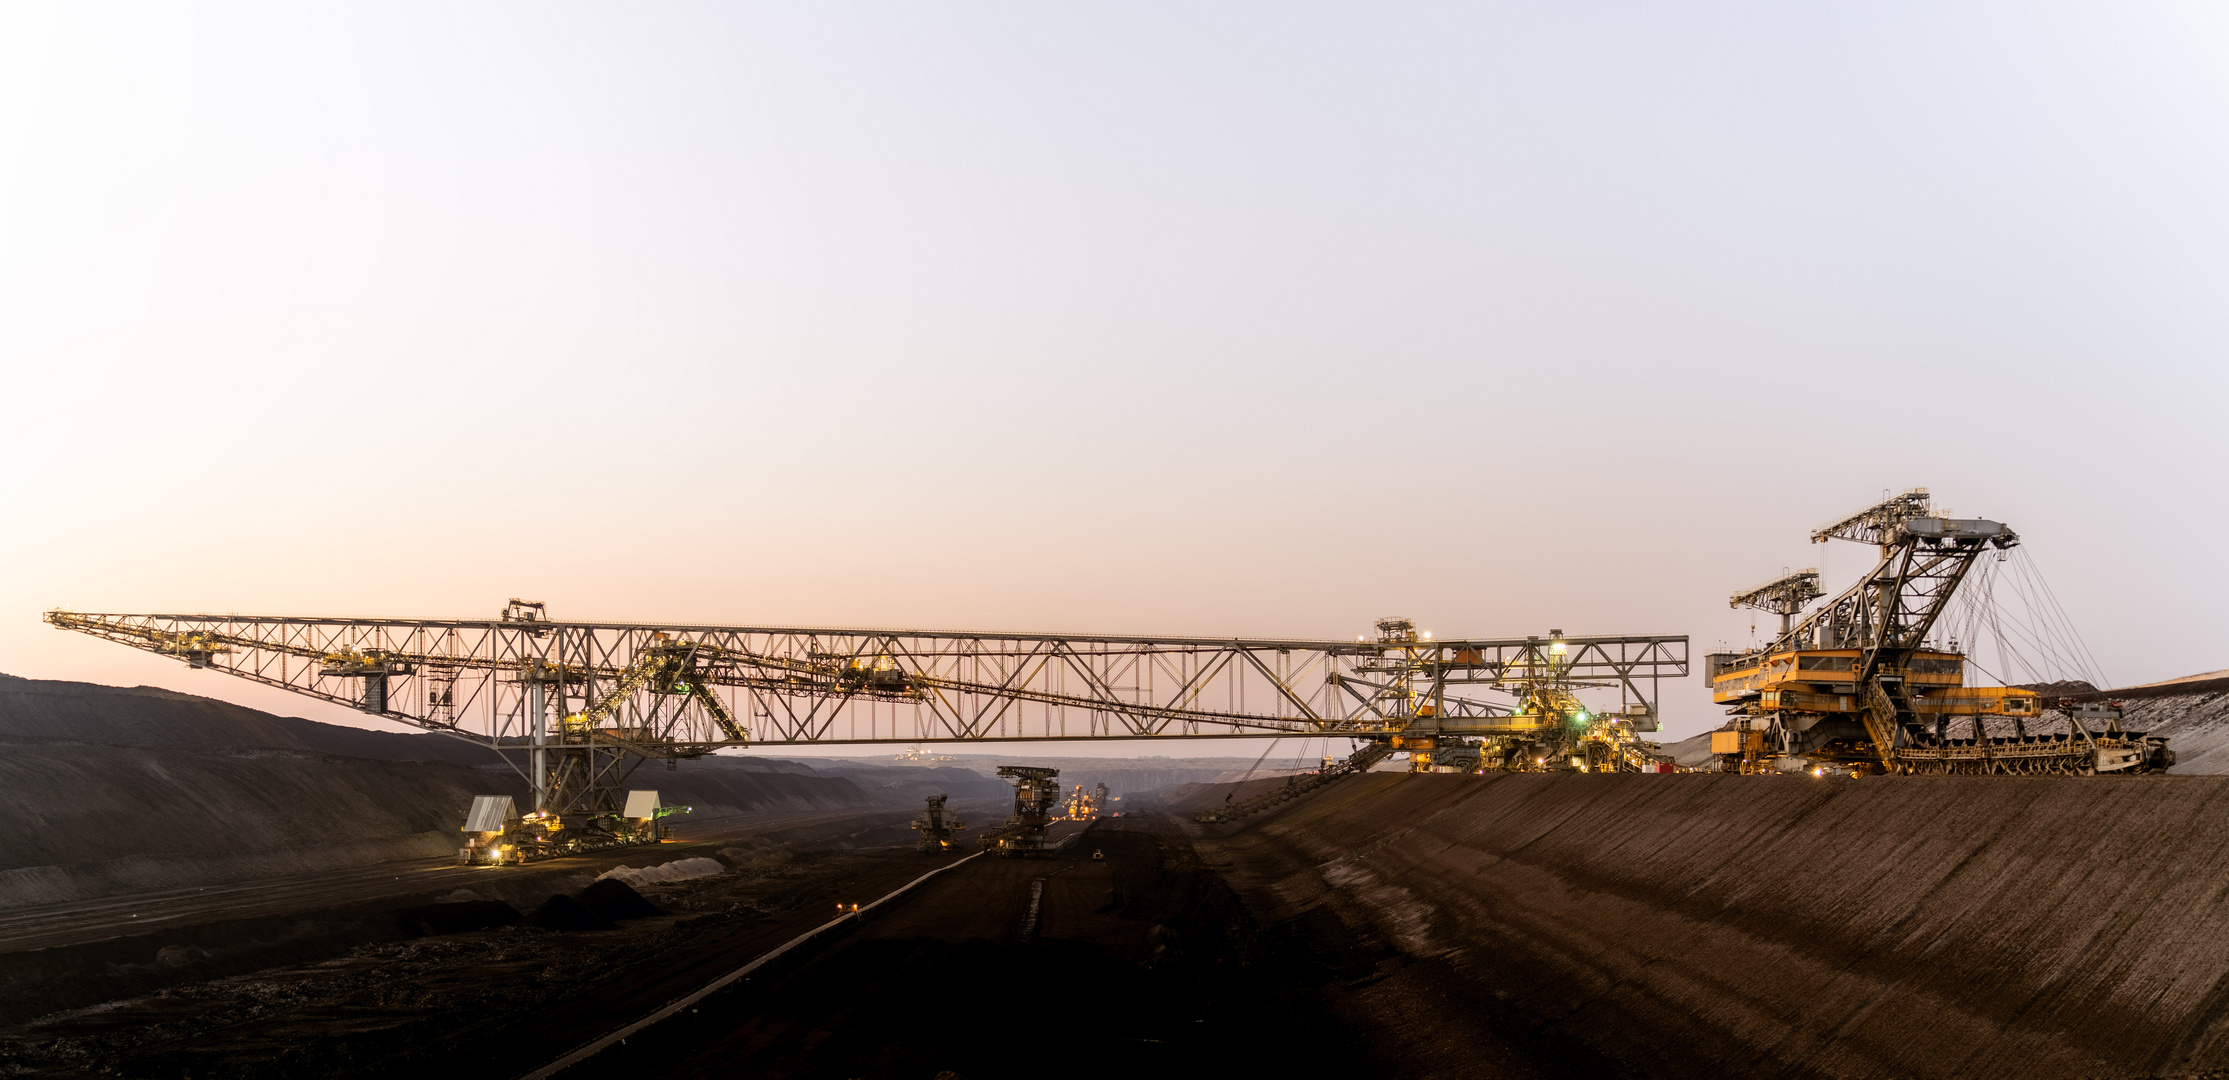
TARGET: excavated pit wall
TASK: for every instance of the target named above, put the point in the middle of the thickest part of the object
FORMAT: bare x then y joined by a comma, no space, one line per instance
1719,926
78,822
109,790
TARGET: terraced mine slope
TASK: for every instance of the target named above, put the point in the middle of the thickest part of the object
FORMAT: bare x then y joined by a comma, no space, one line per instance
1716,926
2192,712
105,790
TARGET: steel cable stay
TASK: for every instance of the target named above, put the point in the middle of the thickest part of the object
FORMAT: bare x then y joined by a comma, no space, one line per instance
2059,652
2061,623
1250,769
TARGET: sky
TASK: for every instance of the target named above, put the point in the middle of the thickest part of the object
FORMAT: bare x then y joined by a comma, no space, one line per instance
1215,319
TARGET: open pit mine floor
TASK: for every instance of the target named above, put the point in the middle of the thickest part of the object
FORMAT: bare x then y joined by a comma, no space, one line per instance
321,977
46,926
1140,963
989,970
1516,927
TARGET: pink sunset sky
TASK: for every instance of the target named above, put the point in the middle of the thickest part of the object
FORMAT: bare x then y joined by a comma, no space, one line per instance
1222,319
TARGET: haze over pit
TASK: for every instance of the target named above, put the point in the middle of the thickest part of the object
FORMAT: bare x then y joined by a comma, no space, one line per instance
1248,320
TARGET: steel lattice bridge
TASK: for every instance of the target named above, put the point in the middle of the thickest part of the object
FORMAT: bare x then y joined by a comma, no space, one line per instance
587,702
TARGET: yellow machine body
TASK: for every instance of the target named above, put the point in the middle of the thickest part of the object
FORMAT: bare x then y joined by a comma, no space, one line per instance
1825,681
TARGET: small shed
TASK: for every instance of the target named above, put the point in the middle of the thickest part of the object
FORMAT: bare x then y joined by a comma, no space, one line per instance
490,813
642,804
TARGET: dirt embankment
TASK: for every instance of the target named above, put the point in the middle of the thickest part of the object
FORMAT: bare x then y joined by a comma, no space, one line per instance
1715,926
79,821
2195,721
105,790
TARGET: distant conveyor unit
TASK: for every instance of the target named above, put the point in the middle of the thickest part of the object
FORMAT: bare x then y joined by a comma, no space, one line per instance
1036,790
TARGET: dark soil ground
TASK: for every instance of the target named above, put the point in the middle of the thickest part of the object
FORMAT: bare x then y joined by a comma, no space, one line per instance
494,1002
1505,927
1710,927
64,956
1140,963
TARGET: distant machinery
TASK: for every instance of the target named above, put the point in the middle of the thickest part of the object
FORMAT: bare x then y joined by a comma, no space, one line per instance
1036,792
1548,729
1785,596
497,834
1084,805
1859,686
936,825
577,707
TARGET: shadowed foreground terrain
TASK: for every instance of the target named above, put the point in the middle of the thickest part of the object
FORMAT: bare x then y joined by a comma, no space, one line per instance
1711,926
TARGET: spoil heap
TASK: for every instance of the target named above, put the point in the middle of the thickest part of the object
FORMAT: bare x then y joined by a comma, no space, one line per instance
1715,926
2192,712
106,790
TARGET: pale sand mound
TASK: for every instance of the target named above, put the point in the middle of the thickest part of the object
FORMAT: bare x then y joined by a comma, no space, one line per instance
678,870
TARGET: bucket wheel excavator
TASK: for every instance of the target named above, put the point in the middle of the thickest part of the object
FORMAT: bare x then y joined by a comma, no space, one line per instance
1860,684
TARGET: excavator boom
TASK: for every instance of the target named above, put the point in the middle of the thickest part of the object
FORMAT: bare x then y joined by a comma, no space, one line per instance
1857,682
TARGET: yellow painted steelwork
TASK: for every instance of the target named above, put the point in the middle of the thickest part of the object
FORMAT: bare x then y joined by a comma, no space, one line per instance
1829,671
1825,681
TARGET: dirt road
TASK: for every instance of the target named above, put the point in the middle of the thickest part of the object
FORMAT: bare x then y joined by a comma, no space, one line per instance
1136,964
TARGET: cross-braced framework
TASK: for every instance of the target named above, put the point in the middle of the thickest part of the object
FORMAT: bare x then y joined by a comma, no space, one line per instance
1858,683
588,701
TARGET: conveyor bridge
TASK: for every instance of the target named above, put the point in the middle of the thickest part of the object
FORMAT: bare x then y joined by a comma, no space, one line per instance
584,703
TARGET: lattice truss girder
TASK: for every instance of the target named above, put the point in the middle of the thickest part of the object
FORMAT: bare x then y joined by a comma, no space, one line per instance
680,691
1895,606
